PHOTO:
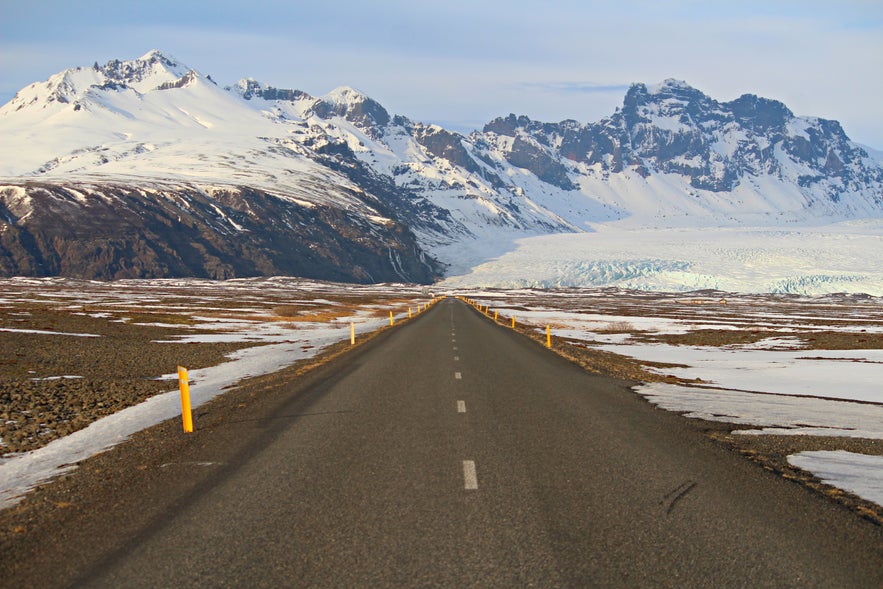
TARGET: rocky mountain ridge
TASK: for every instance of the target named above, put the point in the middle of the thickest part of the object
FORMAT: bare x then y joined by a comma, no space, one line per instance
276,181
676,129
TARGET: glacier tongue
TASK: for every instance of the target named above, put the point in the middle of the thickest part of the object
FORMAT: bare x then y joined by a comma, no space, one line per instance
808,261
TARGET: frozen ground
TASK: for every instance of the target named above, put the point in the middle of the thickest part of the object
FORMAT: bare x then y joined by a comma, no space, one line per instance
796,365
281,342
776,367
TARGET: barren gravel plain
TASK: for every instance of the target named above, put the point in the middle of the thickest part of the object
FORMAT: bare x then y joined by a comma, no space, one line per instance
74,351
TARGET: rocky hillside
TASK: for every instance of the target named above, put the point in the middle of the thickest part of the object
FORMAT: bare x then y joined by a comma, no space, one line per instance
112,231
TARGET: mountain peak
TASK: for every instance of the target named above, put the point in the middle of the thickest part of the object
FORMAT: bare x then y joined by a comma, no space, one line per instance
669,86
507,125
148,72
346,95
354,106
155,55
760,112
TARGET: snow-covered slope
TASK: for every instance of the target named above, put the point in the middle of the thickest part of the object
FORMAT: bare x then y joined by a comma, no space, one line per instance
670,158
152,120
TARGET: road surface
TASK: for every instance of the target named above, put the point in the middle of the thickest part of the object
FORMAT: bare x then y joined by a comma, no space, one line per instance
452,452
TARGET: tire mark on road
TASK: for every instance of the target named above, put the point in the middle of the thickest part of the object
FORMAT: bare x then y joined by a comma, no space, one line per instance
675,495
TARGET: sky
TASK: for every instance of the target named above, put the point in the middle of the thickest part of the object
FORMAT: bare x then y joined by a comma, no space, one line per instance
461,63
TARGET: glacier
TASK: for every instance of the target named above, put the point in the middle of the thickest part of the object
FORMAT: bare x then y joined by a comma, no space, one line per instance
843,257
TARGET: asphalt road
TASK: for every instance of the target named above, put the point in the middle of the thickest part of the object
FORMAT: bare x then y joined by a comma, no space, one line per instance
451,452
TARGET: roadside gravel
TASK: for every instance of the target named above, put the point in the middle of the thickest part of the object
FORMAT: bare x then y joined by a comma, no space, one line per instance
52,385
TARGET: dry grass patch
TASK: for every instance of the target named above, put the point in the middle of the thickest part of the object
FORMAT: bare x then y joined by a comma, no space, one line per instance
310,313
618,327
835,340
394,305
816,340
711,337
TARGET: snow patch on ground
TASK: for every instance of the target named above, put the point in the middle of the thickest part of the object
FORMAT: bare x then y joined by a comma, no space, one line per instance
857,473
45,332
774,414
785,372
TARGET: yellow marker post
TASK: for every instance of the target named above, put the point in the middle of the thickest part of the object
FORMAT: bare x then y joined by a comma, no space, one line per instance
548,336
391,320
186,412
496,314
409,312
513,321
352,333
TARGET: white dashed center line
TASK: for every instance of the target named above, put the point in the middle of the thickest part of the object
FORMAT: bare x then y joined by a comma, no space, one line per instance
470,478
456,358
458,376
461,406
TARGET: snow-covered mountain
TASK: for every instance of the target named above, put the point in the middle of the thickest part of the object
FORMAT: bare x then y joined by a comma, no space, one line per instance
148,167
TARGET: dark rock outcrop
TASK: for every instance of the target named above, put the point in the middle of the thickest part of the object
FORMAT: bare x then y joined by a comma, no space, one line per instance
123,232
